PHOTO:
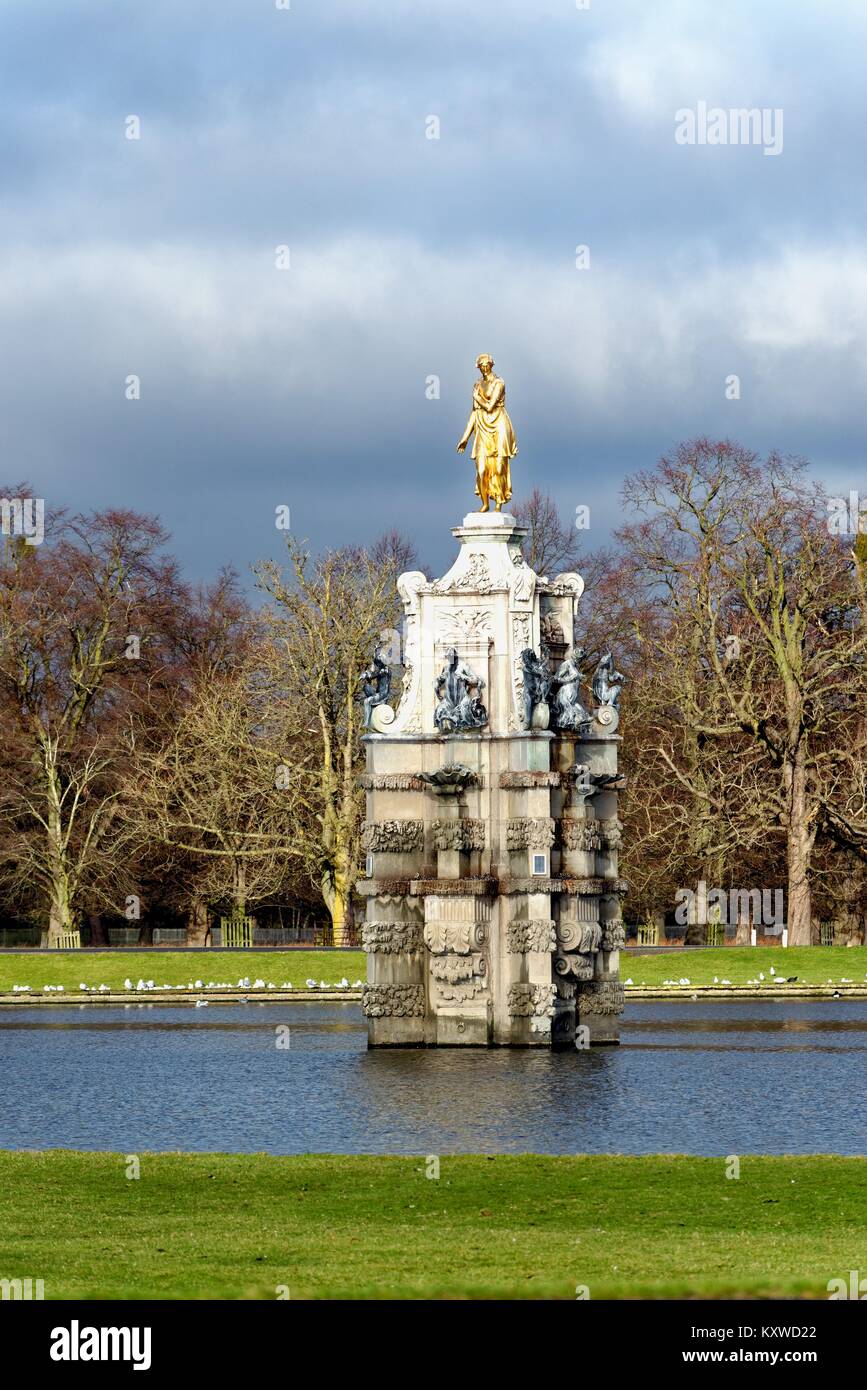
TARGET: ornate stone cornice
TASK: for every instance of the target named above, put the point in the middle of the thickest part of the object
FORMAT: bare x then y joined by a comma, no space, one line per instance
382,887
391,782
534,884
521,781
452,887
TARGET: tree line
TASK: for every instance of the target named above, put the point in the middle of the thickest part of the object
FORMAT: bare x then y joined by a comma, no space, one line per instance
175,753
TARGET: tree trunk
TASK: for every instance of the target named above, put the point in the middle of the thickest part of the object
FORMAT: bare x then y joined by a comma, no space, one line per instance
98,929
335,891
60,908
59,914
697,917
198,933
239,889
743,935
800,915
799,845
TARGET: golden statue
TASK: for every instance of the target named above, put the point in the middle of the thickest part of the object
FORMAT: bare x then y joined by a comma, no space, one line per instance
494,444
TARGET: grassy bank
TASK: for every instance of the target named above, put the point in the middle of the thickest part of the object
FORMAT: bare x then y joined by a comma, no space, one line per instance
813,965
73,968
222,1227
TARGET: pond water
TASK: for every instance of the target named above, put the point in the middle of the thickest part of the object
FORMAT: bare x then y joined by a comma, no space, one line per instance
772,1077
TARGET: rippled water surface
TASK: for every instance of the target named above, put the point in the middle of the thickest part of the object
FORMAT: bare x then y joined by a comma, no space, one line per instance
774,1077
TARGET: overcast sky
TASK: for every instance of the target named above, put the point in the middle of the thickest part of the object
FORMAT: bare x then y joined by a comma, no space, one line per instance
307,127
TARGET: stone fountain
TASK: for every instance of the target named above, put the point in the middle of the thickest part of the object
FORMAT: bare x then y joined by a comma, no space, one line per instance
493,896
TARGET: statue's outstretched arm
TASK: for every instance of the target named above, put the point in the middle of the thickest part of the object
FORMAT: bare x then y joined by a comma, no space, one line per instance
471,425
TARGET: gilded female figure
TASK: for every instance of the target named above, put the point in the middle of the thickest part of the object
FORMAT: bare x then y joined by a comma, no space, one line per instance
494,444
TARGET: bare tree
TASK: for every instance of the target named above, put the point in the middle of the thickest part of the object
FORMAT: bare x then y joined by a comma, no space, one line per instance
764,647
217,790
552,544
78,616
325,617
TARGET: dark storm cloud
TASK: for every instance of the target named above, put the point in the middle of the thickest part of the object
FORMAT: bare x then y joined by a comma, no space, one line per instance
409,256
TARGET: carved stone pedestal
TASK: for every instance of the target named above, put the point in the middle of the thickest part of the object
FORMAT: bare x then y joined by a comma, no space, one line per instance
492,892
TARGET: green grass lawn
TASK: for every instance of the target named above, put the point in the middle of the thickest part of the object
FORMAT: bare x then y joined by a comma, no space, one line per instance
219,1226
72,968
813,965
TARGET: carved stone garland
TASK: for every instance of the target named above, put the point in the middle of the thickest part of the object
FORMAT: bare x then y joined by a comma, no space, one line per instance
602,997
391,938
392,836
464,834
530,832
531,935
393,1001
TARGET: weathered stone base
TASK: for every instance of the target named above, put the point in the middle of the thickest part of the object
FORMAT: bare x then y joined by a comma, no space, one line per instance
487,924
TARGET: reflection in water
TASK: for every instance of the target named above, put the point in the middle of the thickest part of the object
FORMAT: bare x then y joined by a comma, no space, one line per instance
689,1078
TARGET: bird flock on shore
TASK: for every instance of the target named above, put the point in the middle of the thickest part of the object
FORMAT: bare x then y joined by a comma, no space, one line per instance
142,986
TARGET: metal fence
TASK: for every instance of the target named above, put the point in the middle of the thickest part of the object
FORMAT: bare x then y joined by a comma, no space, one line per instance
20,936
122,936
